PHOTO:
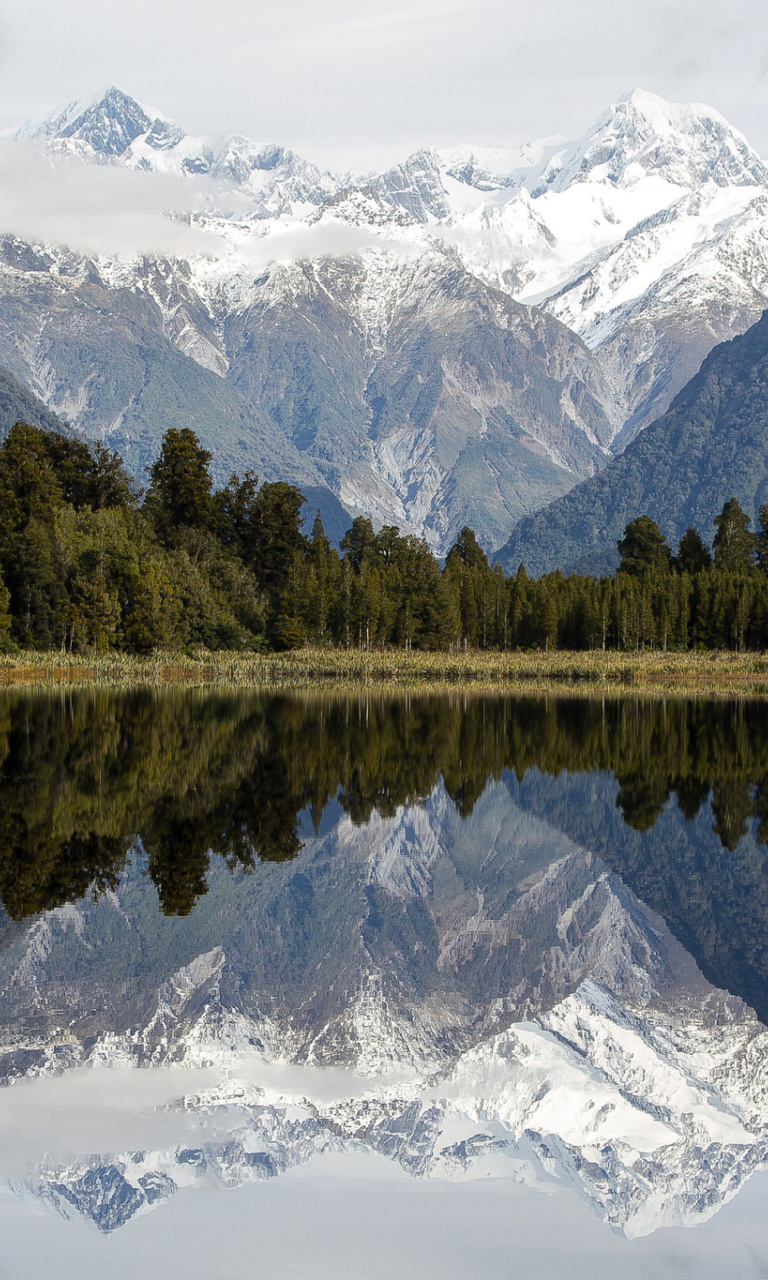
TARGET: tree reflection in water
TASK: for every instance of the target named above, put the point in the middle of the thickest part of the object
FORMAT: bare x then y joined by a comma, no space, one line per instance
88,778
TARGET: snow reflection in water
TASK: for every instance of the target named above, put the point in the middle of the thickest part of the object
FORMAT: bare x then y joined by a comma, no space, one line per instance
451,987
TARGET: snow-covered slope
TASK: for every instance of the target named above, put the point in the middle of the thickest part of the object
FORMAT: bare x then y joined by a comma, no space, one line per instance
644,238
113,128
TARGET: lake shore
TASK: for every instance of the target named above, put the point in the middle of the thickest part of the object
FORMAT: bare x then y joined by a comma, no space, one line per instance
709,672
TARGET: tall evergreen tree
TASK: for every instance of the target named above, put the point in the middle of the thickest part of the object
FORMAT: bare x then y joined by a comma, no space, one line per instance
692,554
181,487
761,538
29,486
643,549
733,543
276,535
359,541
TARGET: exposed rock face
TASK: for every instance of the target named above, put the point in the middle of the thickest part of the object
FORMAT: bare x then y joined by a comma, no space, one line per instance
361,334
710,446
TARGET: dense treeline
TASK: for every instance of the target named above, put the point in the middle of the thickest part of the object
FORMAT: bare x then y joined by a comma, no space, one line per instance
91,781
87,778
87,565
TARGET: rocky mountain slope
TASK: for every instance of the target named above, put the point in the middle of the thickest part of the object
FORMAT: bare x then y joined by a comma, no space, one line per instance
408,388
710,446
17,404
460,339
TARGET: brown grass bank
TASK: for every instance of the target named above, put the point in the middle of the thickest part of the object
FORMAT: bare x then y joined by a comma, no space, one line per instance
710,672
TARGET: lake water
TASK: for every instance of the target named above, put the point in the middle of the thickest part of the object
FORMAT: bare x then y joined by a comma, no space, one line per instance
309,987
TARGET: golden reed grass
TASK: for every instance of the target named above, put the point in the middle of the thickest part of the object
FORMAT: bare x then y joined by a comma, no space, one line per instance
711,671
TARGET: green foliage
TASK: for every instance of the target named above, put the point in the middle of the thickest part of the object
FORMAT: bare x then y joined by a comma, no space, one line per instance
18,404
733,544
5,616
711,443
89,781
643,549
29,486
181,486
692,554
275,536
85,569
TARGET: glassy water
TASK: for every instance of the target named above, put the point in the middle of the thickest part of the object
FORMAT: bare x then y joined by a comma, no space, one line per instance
351,987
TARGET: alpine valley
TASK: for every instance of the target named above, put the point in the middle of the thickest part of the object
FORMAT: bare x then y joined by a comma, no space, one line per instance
459,340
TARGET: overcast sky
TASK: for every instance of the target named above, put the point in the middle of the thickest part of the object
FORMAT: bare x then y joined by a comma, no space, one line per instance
363,79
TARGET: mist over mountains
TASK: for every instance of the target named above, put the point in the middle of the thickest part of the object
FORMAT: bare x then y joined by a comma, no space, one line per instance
461,339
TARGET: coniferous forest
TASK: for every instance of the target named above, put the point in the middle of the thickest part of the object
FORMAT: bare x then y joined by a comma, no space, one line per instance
89,562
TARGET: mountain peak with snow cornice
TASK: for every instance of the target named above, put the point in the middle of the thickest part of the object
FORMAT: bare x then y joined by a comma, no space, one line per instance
687,144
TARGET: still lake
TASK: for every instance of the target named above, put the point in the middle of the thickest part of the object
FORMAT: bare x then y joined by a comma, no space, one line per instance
317,987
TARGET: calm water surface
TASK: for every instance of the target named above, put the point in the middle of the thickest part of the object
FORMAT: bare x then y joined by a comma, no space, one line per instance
351,987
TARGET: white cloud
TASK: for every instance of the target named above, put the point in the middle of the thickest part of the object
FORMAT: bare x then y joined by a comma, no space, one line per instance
328,237
93,1110
97,209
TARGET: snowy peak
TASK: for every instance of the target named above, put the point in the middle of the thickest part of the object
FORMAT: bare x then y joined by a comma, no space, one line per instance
645,238
687,144
640,136
115,128
108,124
416,186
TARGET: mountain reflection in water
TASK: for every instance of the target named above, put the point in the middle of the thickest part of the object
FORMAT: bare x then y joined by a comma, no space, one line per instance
529,927
89,779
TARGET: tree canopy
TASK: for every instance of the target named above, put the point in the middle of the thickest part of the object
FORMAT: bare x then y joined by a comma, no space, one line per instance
85,566
643,549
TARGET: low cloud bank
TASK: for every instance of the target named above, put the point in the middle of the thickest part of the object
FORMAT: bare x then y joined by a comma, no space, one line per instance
109,211
98,210
327,238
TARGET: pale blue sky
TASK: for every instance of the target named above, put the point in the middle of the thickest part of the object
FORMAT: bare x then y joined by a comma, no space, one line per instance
361,80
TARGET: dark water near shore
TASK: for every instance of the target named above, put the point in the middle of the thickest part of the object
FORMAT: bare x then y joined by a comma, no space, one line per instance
87,779
232,883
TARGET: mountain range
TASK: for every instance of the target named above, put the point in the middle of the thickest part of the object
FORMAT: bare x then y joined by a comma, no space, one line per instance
462,338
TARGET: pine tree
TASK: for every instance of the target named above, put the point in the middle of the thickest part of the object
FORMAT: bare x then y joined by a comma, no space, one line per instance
733,543
761,538
275,536
29,487
643,549
181,487
692,555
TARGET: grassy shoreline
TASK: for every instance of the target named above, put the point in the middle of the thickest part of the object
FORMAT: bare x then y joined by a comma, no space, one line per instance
709,672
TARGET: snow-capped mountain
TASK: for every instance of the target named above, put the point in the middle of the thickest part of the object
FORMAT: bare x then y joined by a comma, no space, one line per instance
392,376
114,128
330,313
648,1118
